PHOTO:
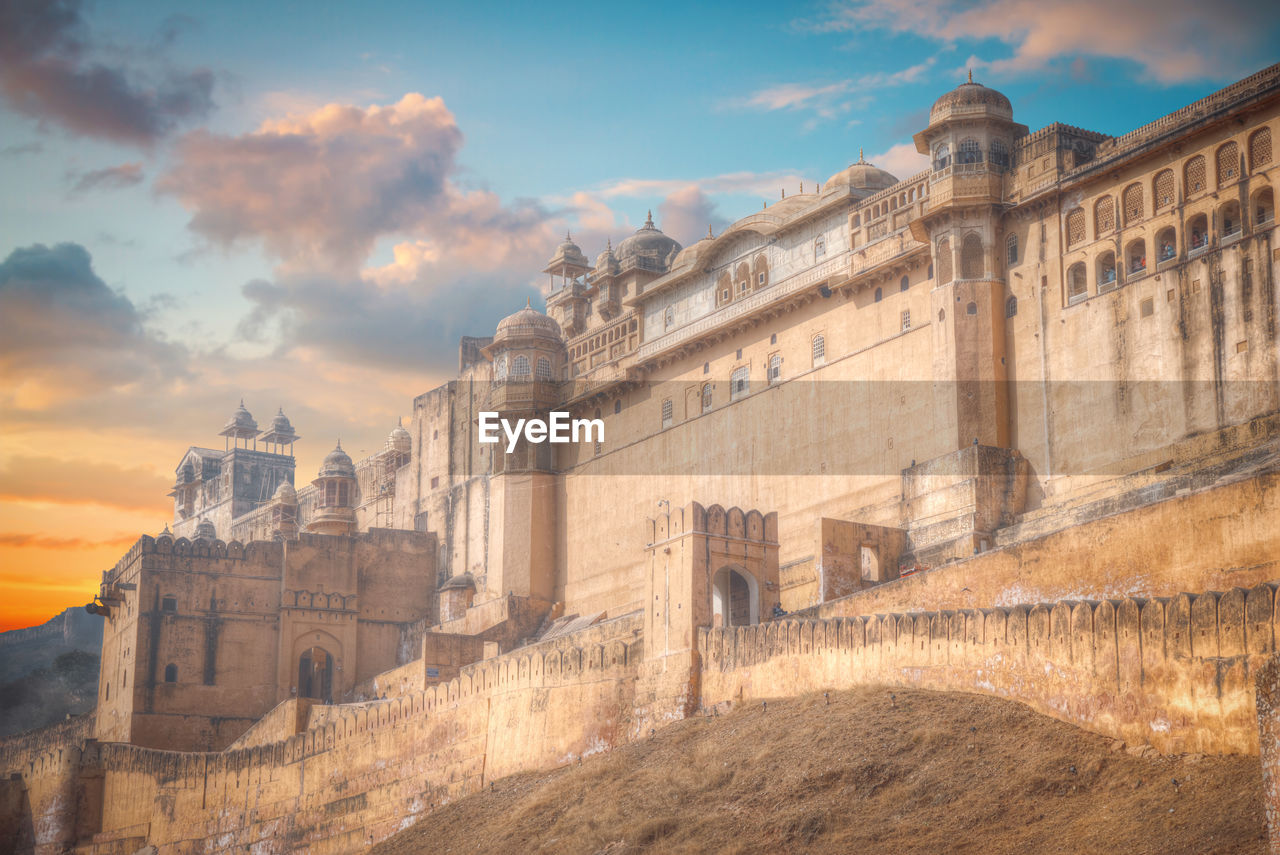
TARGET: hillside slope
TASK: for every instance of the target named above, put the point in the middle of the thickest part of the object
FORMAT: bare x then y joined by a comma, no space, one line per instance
915,772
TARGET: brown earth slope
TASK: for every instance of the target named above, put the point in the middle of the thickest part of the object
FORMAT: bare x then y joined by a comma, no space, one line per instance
927,772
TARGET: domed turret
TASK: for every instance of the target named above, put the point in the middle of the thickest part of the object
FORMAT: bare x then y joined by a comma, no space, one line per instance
860,176
285,494
281,433
337,464
648,248
528,322
165,533
606,262
399,440
206,531
284,512
970,100
568,253
240,426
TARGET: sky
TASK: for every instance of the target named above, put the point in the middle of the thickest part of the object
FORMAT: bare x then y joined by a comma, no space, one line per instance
305,205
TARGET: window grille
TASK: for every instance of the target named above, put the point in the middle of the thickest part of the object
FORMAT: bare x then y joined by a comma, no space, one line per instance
1194,174
1075,228
544,368
1228,163
666,412
520,366
1104,216
819,350
775,368
738,383
1260,148
1133,210
1164,188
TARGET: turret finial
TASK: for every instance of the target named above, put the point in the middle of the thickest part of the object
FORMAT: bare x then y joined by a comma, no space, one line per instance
861,159
528,302
709,234
648,223
971,75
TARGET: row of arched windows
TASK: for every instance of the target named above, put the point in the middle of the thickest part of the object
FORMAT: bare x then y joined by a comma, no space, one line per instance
519,369
744,279
972,260
969,151
1164,191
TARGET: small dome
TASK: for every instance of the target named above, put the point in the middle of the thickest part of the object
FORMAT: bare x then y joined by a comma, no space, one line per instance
527,322
241,419
568,253
861,176
205,529
337,464
607,262
970,99
648,248
280,422
286,494
165,533
399,439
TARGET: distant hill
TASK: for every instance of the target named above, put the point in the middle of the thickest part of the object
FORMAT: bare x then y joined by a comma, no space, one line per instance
50,671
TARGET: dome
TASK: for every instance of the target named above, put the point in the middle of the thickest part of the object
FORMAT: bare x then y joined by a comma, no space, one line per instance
280,423
241,419
647,248
337,464
606,262
527,322
399,439
286,494
971,99
861,176
165,533
206,530
568,253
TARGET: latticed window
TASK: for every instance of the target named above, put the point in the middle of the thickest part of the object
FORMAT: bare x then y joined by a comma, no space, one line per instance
775,368
500,369
1193,177
1260,148
667,410
520,366
999,153
819,350
1132,203
944,261
543,371
738,383
971,263
1104,216
906,319
969,152
706,398
1011,307
1011,246
1075,227
1164,188
1228,163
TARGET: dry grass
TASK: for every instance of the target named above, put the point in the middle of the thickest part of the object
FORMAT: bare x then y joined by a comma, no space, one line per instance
937,773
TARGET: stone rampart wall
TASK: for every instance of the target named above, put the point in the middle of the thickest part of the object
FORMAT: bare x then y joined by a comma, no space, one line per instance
1176,673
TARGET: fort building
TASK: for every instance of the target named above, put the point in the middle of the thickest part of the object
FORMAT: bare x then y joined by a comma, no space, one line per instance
1019,410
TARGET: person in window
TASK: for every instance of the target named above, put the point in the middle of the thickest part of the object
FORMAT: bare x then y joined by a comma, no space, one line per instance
1166,251
1109,273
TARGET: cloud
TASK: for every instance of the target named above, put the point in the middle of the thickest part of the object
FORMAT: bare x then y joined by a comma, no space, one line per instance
902,160
317,190
686,213
829,100
63,332
27,540
111,178
21,149
749,183
65,481
51,72
1172,40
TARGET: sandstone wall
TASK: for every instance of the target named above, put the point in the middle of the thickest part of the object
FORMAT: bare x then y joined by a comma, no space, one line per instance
1176,673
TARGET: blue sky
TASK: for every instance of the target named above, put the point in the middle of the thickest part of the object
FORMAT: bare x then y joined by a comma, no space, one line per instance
306,204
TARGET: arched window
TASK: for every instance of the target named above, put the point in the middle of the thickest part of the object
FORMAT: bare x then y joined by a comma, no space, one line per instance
971,261
999,153
942,156
738,382
735,598
944,261
1163,187
1264,207
743,275
543,371
1106,273
171,673
1011,307
520,367
1229,215
775,368
668,318
1077,285
500,369
1259,148
969,152
879,294
667,412
1104,216
617,406
1199,228
1193,175
904,284
1228,163
819,350
1133,209
1075,228
1135,255
1011,249
819,247
761,268
706,398
1166,245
